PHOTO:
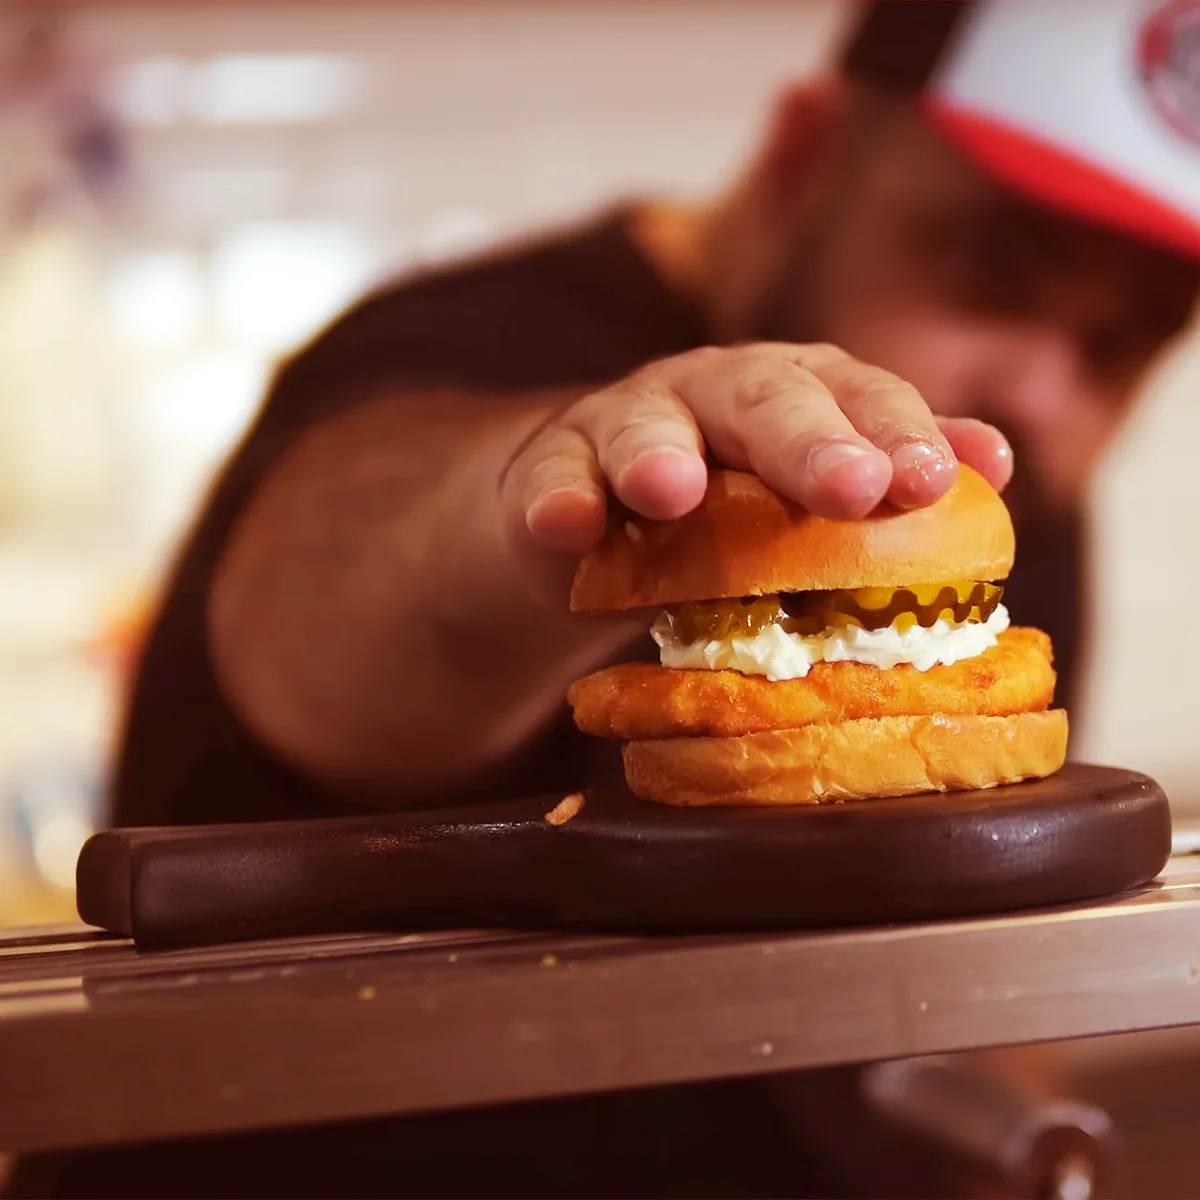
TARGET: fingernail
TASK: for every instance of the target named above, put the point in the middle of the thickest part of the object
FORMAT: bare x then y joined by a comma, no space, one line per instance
553,497
833,454
664,452
925,459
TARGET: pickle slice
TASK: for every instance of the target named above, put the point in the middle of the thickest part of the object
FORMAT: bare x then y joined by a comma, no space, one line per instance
721,619
813,612
877,608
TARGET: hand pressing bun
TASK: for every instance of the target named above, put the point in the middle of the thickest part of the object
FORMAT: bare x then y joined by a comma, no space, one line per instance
806,660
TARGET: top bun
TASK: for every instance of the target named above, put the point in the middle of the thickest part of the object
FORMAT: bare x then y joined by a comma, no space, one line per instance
746,540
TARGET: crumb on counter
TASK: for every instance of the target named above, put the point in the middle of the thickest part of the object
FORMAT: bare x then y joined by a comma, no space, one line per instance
367,993
565,809
549,960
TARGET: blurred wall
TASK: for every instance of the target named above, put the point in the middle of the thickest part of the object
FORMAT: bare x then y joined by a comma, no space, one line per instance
1143,709
287,156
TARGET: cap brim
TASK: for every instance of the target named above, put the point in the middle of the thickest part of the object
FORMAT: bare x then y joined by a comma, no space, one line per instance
1058,179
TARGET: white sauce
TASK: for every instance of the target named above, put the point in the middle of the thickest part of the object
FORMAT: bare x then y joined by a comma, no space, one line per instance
779,655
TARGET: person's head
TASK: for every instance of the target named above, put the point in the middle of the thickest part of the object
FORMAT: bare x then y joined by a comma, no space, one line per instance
862,225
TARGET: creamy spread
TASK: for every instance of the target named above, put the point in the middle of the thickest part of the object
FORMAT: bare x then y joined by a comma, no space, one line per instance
780,655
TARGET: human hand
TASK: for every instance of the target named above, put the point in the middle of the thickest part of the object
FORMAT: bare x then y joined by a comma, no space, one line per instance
813,423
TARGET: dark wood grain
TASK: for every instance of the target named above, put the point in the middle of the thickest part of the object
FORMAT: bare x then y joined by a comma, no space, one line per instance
625,865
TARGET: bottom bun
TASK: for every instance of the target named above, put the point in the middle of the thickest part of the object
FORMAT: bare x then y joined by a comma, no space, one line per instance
853,760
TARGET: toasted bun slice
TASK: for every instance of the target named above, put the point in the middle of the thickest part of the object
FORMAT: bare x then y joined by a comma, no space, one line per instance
745,540
853,760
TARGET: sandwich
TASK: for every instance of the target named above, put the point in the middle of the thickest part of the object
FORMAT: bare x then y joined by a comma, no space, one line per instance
806,660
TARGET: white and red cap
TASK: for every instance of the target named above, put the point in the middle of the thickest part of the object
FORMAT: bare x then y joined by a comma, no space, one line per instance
1091,108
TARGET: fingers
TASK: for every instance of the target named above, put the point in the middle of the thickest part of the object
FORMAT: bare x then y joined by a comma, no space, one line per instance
636,438
815,424
980,446
561,491
763,410
647,444
892,415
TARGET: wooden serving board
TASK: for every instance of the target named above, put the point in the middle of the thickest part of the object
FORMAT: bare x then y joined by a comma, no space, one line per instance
624,864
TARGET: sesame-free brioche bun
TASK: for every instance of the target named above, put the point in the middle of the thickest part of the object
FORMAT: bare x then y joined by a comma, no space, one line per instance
746,540
850,760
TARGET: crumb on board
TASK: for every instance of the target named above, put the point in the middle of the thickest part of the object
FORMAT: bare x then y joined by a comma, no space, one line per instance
565,809
367,993
549,960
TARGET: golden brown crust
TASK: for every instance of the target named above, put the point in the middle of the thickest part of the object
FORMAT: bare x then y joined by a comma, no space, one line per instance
854,760
745,540
640,700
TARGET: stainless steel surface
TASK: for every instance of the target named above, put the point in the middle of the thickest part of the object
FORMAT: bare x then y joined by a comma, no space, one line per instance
1024,1145
1073,1181
101,1044
1185,834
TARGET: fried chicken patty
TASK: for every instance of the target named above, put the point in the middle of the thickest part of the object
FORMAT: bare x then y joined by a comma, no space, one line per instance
641,700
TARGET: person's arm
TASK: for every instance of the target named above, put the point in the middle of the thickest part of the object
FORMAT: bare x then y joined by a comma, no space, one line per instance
390,612
368,620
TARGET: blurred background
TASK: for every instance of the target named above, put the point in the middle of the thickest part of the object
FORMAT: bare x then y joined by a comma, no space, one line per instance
188,191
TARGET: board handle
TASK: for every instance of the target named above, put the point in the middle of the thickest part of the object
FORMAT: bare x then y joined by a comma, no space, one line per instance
181,886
